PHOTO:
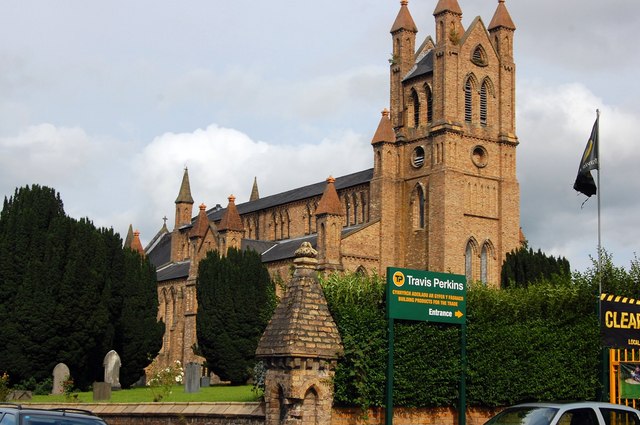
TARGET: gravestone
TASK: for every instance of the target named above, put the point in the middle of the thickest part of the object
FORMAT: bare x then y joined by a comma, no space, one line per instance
192,378
101,391
60,374
205,381
112,365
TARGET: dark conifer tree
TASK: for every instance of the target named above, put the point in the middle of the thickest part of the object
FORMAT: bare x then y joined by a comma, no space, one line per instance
67,293
236,299
524,266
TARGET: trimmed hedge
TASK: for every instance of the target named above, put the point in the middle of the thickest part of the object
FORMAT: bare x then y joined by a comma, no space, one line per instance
534,343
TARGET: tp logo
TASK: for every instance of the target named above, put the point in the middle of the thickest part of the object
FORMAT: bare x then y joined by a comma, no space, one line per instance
398,278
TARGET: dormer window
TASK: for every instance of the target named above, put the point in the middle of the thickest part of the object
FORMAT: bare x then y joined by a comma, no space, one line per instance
479,56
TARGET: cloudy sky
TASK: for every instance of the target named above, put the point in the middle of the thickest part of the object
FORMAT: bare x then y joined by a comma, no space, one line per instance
108,101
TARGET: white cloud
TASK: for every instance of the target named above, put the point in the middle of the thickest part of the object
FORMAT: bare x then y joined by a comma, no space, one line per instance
554,123
223,161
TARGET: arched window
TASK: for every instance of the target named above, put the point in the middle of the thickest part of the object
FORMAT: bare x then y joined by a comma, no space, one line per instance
347,206
484,260
354,199
469,254
416,108
468,99
429,103
418,207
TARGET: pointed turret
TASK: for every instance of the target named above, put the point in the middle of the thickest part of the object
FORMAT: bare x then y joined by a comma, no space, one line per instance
255,195
449,28
136,245
501,18
202,223
129,239
330,202
502,30
404,20
447,6
300,346
230,227
231,218
184,202
384,132
403,33
329,215
184,196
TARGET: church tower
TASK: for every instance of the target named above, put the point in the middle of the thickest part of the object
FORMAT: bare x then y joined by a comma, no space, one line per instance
446,183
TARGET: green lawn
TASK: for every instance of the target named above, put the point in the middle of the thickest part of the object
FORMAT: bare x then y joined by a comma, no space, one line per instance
141,395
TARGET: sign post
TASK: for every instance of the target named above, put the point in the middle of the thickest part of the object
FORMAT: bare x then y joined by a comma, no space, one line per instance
428,297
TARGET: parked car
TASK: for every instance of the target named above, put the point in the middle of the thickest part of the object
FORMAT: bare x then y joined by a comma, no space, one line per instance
16,414
582,413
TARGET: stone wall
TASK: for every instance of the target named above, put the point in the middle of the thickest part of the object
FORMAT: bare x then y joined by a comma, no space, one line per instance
253,414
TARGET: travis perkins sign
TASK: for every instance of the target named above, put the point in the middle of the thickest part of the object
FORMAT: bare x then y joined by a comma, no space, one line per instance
620,321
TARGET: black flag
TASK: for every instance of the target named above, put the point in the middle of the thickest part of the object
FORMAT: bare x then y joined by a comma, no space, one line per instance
584,181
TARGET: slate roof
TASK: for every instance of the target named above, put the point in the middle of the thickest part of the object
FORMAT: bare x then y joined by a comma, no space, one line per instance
422,67
173,271
159,249
297,194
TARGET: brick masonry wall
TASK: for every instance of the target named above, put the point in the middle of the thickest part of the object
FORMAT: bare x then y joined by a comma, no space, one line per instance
253,414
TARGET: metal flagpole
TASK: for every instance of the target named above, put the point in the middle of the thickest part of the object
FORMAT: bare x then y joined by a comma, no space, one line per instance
604,358
599,190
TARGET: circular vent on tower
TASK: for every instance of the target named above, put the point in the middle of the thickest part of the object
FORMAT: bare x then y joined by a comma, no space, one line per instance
417,157
479,156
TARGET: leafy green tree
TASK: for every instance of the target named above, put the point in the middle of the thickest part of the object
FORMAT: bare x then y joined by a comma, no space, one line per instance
525,266
236,299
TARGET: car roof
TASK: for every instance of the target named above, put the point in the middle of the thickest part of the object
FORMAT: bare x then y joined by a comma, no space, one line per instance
70,412
579,404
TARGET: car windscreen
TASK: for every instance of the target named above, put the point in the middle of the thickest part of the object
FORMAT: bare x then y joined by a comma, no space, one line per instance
45,419
619,417
524,415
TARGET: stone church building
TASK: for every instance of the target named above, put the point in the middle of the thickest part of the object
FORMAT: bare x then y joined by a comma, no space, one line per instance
442,193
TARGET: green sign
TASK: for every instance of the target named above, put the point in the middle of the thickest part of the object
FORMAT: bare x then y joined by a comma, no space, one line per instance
426,296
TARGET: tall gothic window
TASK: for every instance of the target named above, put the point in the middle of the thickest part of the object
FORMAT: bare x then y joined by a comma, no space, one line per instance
483,103
484,264
468,262
468,111
416,108
429,103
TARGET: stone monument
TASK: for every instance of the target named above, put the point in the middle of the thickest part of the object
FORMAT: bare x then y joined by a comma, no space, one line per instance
60,374
112,365
300,348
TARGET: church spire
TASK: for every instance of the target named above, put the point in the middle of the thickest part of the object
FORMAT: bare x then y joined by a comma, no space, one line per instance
184,202
255,195
501,18
184,196
404,20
